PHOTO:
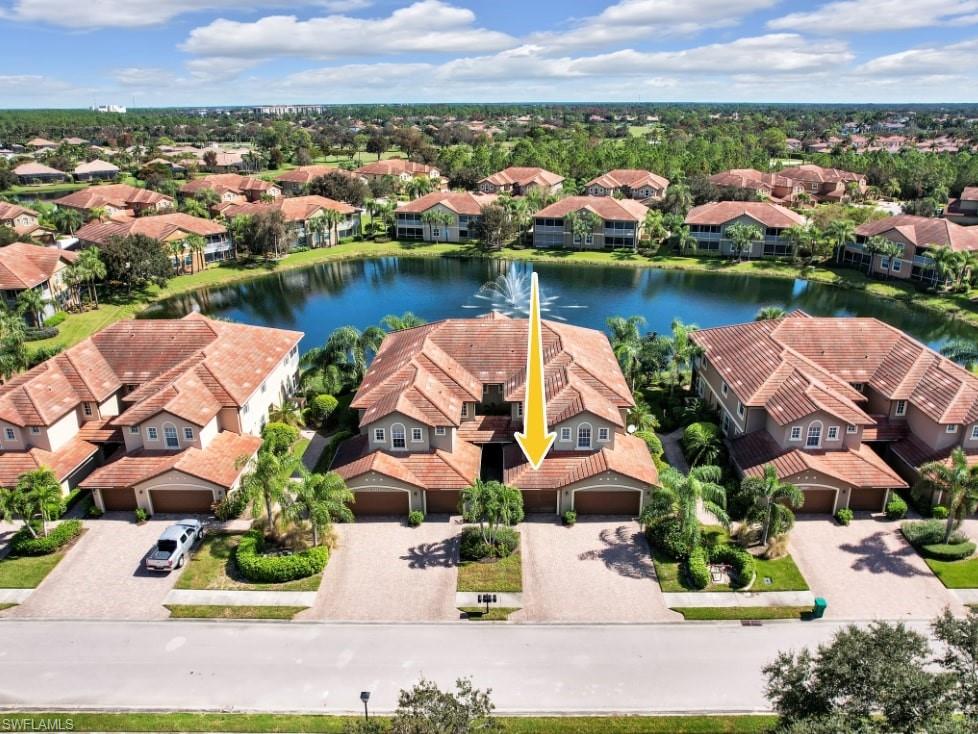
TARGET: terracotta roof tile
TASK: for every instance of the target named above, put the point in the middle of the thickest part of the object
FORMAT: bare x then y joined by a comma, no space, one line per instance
922,232
460,202
629,457
523,176
293,208
25,266
763,212
606,207
629,177
157,227
62,462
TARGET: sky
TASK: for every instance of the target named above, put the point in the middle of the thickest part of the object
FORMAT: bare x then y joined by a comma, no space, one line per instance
157,53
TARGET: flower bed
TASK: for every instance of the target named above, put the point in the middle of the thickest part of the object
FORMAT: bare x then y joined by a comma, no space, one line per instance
276,569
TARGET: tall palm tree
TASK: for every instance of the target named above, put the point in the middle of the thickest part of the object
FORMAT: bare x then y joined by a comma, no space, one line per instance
771,501
406,320
840,232
320,499
196,245
93,269
439,220
32,302
957,483
683,350
331,218
583,222
67,220
176,250
349,349
701,442
682,495
626,343
287,412
963,351
878,246
742,237
42,492
266,482
770,313
684,239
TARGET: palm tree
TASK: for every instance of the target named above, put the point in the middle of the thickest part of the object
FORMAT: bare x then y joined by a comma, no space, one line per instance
962,351
957,483
176,250
32,302
684,239
701,442
683,349
42,492
891,251
349,349
641,416
266,482
97,214
67,220
626,343
320,499
682,495
331,218
315,226
288,413
406,320
840,233
882,247
437,221
799,235
493,505
93,269
678,199
582,225
770,313
196,245
771,501
742,237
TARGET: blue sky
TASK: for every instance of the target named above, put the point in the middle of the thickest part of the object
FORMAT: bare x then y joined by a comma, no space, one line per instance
70,53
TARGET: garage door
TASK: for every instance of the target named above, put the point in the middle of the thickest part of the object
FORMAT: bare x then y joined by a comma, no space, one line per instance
867,499
380,503
537,500
181,500
818,500
445,502
119,499
623,502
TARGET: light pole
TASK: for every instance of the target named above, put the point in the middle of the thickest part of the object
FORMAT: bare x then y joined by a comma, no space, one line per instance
365,697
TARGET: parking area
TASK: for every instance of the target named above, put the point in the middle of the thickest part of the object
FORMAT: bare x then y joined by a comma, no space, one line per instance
599,570
383,570
866,570
102,576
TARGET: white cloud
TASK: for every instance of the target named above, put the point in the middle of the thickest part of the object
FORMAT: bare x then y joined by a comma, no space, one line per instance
631,19
925,61
424,27
855,16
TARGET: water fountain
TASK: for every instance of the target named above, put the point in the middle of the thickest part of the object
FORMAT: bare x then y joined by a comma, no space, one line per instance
509,294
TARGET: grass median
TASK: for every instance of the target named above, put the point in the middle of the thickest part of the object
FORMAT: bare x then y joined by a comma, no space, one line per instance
207,611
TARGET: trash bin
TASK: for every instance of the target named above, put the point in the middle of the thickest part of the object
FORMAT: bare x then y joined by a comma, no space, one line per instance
818,611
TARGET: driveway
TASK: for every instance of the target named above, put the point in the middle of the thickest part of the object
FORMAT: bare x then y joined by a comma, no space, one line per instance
102,576
599,570
867,570
383,570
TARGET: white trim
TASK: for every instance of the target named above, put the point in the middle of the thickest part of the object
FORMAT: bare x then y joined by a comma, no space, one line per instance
382,437
394,427
951,428
607,434
900,409
565,430
835,501
832,434
440,430
152,433
176,435
791,433
590,436
808,435
420,435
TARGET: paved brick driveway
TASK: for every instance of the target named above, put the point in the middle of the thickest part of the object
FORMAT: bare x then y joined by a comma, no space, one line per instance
600,570
867,570
102,576
384,570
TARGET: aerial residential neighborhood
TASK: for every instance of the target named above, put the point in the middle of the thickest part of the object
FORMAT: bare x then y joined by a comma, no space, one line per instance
442,367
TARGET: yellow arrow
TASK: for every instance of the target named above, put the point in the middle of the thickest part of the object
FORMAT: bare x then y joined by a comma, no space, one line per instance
534,440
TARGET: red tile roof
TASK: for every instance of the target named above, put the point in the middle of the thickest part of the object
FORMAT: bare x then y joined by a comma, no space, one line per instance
457,201
523,176
629,177
293,208
10,211
629,457
395,167
24,265
435,469
62,462
922,232
96,166
305,175
763,212
750,178
226,182
120,196
35,169
809,172
158,227
605,207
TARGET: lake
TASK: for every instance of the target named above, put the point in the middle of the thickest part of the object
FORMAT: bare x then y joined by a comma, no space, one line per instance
318,299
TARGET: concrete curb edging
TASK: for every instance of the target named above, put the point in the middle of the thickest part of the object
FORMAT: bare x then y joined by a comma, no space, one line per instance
205,597
14,596
740,599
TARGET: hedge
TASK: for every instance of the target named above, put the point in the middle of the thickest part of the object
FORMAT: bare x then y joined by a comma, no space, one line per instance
929,532
25,544
697,569
36,334
948,552
741,561
261,569
896,508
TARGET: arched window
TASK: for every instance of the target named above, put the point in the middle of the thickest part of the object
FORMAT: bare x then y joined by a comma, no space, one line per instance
584,436
814,438
398,440
170,436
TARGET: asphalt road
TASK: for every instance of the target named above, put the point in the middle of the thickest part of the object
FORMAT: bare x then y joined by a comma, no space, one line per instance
314,667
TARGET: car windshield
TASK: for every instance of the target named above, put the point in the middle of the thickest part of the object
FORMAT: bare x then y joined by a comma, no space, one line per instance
166,545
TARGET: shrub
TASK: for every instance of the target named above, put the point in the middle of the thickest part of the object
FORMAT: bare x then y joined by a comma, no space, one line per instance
665,533
415,518
94,511
56,319
740,560
928,532
36,334
939,512
777,547
322,407
231,506
948,552
262,569
570,517
140,515
24,544
652,441
697,571
473,548
896,508
843,515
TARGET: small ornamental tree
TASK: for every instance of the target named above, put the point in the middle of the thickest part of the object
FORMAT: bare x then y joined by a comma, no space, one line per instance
493,505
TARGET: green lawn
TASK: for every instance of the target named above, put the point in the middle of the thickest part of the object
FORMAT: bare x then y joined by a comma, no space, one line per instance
300,446
323,724
505,574
496,614
956,574
204,611
27,572
735,613
211,567
784,575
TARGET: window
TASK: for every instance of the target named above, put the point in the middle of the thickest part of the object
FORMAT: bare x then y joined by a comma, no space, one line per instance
814,438
724,388
87,409
170,435
416,435
584,436
439,430
740,409
947,429
519,410
244,409
897,266
188,433
901,407
10,434
833,433
852,429
603,434
35,429
436,231
465,410
151,433
264,386
397,437
725,424
133,429
795,433
974,432
380,435
565,434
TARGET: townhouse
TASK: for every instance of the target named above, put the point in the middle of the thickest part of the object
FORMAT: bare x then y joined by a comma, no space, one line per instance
629,184
440,403
617,223
25,266
964,209
772,186
296,181
826,184
25,222
710,224
826,400
459,220
519,181
306,218
917,236
401,169
232,188
116,199
38,173
165,229
96,170
158,414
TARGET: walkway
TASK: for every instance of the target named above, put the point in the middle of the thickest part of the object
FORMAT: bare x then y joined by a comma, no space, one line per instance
317,444
674,451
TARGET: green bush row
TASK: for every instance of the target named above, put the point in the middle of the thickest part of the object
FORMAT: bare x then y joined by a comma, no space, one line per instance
261,569
25,544
473,548
697,570
949,551
665,534
36,334
742,562
929,532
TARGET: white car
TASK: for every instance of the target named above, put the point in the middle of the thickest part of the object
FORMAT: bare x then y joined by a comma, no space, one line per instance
174,545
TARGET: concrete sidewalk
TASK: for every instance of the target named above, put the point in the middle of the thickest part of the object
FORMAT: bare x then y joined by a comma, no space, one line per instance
241,598
966,596
14,596
740,599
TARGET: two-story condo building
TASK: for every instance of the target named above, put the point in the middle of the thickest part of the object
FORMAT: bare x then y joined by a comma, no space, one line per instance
164,228
96,170
232,188
823,399
25,222
294,182
964,209
115,199
38,173
771,186
519,181
399,168
917,236
24,266
169,410
617,223
440,403
825,184
709,225
629,184
301,214
462,216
